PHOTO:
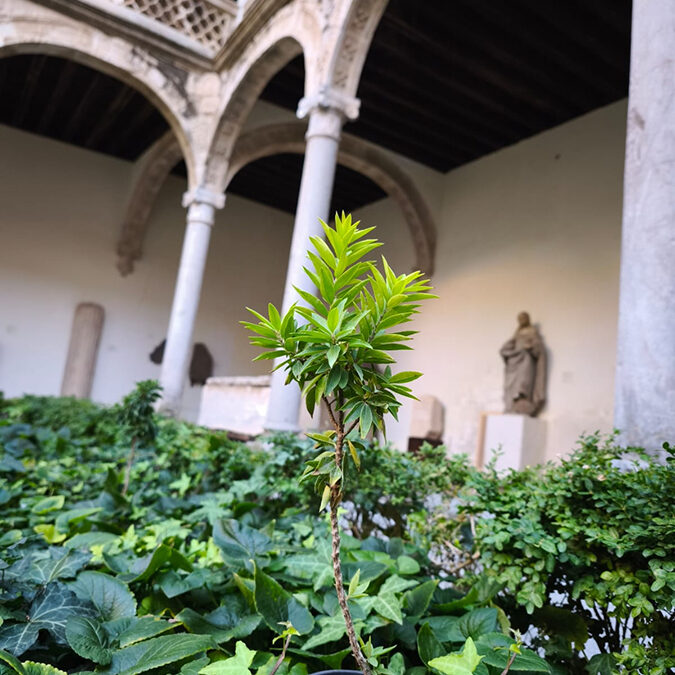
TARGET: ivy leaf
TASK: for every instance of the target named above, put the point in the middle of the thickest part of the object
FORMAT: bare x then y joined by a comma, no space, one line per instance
602,664
332,630
158,652
19,637
477,622
239,544
278,607
49,504
223,624
396,584
407,565
60,564
458,664
428,645
88,638
418,599
527,661
387,605
238,664
145,568
111,597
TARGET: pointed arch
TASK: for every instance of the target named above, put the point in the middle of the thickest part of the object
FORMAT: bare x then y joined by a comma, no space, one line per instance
295,29
273,139
28,28
353,43
364,158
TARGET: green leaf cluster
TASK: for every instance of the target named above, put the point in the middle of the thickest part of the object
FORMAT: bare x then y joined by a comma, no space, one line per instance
337,345
586,551
169,579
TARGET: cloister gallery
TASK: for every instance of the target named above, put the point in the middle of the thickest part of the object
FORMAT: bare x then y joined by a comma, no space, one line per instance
496,146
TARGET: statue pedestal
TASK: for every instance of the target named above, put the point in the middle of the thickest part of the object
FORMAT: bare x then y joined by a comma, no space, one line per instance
237,404
519,438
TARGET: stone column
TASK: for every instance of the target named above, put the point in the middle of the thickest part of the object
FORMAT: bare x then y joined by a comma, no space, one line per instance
645,369
85,336
201,205
327,113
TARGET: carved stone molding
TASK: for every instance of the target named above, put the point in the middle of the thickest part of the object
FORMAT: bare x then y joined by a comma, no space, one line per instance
31,28
150,173
354,153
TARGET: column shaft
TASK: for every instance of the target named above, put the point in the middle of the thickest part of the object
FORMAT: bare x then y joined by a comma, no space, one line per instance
85,336
316,189
645,371
200,220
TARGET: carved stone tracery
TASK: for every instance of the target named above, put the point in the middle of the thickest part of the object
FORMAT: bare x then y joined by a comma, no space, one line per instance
274,139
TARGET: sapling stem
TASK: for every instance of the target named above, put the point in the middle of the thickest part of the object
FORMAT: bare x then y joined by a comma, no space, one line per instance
335,501
127,471
512,658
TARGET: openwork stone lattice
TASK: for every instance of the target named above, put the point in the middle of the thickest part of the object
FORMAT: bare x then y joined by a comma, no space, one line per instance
202,20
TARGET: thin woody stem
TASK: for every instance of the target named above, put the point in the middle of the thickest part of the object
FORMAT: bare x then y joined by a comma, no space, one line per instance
281,658
512,658
360,659
335,501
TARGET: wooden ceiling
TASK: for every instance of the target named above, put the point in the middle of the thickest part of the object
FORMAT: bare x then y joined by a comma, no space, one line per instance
445,82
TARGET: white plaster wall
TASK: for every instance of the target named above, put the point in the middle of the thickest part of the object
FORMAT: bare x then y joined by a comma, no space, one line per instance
533,227
60,213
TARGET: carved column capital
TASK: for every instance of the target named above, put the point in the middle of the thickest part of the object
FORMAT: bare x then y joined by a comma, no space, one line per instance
203,195
328,110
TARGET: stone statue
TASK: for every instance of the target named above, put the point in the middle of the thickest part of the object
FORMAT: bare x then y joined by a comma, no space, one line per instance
524,369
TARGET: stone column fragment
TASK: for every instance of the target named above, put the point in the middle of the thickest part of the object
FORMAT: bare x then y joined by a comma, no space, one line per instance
645,369
82,351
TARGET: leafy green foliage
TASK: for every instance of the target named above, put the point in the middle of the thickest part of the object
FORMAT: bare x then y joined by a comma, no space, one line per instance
335,345
162,579
585,550
136,413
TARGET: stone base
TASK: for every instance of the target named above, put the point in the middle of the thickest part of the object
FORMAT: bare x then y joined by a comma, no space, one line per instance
237,404
520,439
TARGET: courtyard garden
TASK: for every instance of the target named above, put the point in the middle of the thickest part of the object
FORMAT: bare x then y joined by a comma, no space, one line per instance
217,549
132,543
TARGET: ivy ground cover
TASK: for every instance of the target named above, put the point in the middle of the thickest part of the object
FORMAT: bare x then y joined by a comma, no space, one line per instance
213,553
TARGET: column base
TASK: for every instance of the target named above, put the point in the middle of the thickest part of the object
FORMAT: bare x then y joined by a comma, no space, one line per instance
519,438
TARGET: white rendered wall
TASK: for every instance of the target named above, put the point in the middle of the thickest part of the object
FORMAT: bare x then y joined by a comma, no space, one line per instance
60,214
533,227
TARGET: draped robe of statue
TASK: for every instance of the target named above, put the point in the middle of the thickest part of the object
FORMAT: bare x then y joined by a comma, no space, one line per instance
524,372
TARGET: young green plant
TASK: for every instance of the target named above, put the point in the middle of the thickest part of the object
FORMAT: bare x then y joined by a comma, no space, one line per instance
136,417
337,347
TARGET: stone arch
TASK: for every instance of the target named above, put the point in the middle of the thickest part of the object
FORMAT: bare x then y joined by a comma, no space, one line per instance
151,171
354,153
294,29
360,156
353,43
30,28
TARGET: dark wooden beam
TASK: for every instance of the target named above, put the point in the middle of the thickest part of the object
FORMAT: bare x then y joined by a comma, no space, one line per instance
530,32
74,126
56,96
116,106
28,90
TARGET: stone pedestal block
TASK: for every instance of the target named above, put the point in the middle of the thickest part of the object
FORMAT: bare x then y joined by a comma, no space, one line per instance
520,439
78,374
237,404
427,418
